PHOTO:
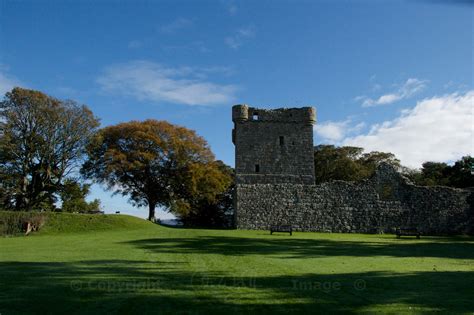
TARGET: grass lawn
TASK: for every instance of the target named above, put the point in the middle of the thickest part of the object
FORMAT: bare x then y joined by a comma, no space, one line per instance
126,265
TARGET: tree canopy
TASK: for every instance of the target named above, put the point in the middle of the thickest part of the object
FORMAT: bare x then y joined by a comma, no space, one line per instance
73,197
209,203
155,163
352,164
441,174
347,163
42,140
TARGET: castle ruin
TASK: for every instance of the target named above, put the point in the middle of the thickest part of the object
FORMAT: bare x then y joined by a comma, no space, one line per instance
274,165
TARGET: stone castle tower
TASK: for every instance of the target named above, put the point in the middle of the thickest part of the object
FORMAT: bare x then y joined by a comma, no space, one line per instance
273,146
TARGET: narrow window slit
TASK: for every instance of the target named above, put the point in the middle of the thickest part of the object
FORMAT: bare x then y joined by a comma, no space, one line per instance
257,168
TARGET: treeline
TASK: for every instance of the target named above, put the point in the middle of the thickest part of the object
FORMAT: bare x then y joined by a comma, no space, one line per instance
49,147
352,164
347,163
459,175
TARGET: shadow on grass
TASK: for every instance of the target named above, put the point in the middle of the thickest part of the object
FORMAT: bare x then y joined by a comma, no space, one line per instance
308,248
184,227
123,286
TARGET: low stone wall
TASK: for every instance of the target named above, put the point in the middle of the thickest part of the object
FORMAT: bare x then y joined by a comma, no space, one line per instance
381,204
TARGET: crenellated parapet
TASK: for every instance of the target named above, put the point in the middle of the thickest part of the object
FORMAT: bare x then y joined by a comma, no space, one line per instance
243,113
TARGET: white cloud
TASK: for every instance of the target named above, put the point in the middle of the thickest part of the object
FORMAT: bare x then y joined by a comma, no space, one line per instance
335,131
239,37
439,129
331,131
7,82
406,90
176,25
151,81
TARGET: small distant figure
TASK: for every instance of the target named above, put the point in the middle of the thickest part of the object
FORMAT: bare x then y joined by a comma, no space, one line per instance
28,228
117,212
33,225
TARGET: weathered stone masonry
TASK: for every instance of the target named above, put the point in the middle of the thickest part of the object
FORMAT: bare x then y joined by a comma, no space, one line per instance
282,191
273,146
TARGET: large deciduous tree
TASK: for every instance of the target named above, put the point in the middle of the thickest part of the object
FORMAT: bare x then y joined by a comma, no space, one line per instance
42,139
155,163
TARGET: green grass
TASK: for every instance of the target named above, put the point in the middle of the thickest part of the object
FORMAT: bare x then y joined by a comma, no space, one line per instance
60,223
120,264
57,222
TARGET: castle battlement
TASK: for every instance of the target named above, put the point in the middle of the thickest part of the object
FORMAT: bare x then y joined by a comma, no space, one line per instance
243,112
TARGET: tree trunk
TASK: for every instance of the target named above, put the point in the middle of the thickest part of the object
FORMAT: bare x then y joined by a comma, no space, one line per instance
151,212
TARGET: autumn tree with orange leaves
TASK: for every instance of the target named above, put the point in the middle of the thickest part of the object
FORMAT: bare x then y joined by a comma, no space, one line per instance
155,163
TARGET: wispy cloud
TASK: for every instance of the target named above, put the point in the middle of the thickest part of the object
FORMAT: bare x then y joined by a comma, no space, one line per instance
406,90
176,25
239,37
7,81
192,47
155,82
375,86
455,86
231,6
232,9
436,129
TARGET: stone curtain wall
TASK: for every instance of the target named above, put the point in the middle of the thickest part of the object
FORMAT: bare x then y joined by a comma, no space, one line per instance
381,204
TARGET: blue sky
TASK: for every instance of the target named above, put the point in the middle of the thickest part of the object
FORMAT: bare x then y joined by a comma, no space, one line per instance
385,75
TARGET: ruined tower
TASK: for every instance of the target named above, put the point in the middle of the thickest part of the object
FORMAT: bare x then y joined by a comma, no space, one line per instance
273,146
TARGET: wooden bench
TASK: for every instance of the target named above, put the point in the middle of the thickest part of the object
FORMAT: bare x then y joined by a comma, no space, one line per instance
408,232
281,228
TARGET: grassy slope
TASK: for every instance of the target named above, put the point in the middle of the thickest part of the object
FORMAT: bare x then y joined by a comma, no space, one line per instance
57,222
76,223
149,269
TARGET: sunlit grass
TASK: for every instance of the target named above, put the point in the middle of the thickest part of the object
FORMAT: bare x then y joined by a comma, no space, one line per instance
144,268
